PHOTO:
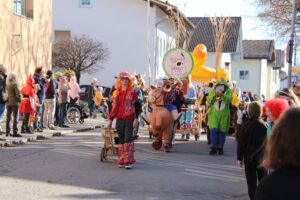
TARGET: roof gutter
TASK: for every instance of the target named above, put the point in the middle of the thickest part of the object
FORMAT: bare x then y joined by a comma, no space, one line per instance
167,8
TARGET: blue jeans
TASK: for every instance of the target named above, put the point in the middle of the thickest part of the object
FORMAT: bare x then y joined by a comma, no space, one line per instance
62,113
2,109
39,112
217,138
91,106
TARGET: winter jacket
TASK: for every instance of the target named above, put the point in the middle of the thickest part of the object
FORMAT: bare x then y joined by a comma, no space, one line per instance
252,140
280,185
51,89
91,92
3,97
13,94
63,93
41,81
125,105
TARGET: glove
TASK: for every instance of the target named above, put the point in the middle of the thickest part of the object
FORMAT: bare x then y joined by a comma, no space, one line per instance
108,125
135,123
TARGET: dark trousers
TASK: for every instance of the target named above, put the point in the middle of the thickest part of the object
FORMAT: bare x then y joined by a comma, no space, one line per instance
12,109
253,175
62,113
56,116
25,121
125,130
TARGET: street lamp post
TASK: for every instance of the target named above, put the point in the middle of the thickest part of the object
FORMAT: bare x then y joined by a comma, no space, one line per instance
291,44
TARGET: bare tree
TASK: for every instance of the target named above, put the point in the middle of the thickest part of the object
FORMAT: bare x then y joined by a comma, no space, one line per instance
220,27
80,54
183,32
278,14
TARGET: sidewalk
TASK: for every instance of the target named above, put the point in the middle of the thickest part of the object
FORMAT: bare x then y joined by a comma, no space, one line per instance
89,124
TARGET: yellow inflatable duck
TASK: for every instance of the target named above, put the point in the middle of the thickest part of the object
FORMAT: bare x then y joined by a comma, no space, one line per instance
202,73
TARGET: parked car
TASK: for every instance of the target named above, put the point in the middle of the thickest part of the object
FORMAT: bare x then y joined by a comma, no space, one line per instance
85,88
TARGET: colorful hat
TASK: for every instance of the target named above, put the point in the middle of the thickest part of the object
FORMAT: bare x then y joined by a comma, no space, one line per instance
124,75
58,74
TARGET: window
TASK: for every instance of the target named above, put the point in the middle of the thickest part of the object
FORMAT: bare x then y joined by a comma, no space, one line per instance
244,75
23,8
227,65
61,36
85,3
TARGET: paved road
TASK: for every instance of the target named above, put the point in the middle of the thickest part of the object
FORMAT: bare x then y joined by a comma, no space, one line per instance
68,168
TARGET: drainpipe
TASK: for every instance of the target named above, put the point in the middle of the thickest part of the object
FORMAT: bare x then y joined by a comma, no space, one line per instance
148,42
291,44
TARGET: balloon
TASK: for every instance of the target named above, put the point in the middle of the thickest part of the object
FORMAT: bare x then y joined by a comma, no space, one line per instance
202,73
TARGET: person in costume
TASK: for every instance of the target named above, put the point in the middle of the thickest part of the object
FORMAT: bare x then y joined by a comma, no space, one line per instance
126,109
27,104
74,91
219,100
186,121
274,109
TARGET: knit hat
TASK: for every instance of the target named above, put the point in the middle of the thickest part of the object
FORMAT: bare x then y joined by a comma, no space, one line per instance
58,74
254,109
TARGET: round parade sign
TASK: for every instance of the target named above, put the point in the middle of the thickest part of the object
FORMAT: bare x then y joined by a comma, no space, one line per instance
178,63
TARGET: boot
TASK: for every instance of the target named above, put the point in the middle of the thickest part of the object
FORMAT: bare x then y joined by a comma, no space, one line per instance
28,130
213,151
121,156
128,154
220,151
22,129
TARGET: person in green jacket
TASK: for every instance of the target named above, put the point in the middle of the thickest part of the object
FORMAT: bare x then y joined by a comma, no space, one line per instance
219,100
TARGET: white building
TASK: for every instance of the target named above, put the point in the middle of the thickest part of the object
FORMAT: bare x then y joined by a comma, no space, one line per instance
137,39
258,72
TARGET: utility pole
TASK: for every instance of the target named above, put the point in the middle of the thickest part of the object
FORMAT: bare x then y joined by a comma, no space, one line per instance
148,41
291,45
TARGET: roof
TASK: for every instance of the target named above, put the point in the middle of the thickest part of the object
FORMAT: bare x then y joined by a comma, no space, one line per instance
167,8
204,34
259,49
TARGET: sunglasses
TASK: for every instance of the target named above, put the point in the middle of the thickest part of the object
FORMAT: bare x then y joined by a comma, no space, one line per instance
125,78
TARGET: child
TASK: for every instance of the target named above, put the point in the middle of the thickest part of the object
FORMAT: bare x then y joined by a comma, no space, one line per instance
99,100
240,116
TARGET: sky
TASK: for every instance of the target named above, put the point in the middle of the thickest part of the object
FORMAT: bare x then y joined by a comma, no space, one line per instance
253,27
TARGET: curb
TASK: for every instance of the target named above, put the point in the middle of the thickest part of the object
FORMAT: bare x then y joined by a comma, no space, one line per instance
12,142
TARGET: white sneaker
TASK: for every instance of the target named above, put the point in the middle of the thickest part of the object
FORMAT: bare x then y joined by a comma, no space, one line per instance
128,166
121,166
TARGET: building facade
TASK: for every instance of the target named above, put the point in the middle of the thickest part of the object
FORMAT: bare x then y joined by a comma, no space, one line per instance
136,35
25,35
258,72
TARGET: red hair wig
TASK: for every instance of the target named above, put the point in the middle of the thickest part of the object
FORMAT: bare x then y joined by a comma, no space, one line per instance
119,84
277,107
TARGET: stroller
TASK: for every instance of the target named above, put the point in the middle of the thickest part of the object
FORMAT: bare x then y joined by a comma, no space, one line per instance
76,113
